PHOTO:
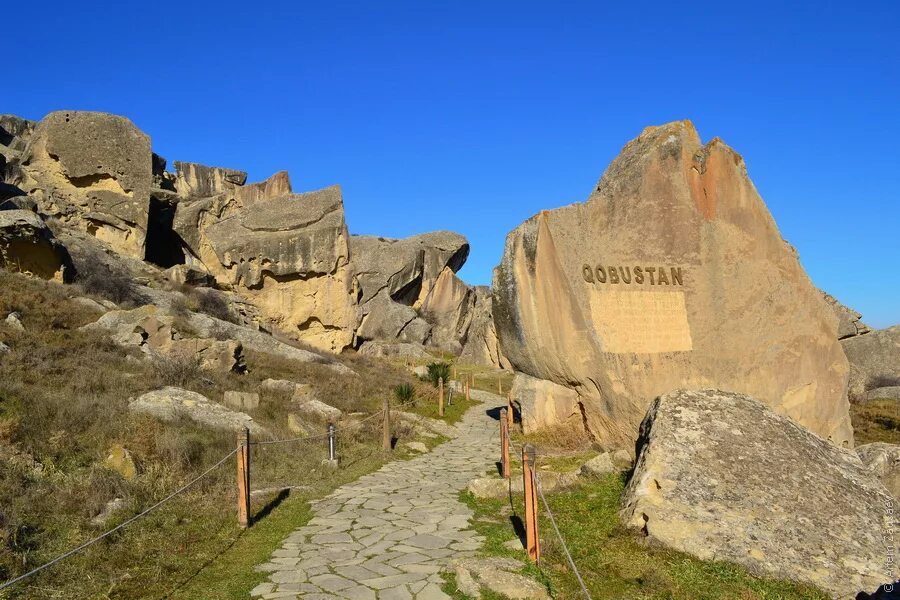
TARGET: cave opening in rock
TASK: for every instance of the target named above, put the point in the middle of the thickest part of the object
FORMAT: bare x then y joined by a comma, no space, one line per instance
164,247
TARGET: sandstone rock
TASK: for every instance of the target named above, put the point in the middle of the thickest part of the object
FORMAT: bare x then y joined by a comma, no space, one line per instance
111,507
15,131
421,371
382,349
481,345
121,461
542,403
4,348
389,320
425,424
721,476
14,321
405,270
27,246
280,386
849,321
94,171
600,465
315,408
241,400
884,461
19,203
171,404
448,307
875,358
89,303
189,275
196,180
499,575
288,255
495,488
297,425
417,447
891,392
672,274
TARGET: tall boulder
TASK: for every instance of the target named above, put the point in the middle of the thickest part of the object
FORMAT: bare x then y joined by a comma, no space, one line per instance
449,307
672,275
720,476
481,345
92,171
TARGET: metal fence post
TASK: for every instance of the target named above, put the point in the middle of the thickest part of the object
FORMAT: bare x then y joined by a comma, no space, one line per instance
532,542
332,449
243,477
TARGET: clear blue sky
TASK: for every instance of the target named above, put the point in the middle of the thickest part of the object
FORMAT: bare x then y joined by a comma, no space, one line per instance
472,116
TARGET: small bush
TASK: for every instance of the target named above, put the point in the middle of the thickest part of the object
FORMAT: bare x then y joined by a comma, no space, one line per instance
437,371
214,304
111,284
177,372
405,393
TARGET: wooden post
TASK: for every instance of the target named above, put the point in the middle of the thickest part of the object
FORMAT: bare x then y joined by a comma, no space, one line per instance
243,477
532,543
441,397
386,430
467,390
504,444
473,380
510,416
499,386
454,374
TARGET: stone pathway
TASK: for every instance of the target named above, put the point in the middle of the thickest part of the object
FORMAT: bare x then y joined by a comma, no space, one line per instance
388,535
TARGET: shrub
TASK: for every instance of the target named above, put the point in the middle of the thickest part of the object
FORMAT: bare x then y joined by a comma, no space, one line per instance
405,393
178,372
438,370
109,283
215,305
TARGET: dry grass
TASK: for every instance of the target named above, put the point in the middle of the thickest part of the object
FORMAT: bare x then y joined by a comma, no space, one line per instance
64,403
876,421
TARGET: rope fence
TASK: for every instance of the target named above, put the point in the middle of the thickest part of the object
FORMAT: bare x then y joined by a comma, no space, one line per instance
241,449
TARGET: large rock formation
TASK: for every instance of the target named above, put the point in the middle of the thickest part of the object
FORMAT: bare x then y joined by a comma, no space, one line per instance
449,307
288,254
28,246
482,346
92,171
849,321
720,476
874,361
672,275
395,277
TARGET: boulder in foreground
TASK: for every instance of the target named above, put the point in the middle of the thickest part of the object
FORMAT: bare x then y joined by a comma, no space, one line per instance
722,477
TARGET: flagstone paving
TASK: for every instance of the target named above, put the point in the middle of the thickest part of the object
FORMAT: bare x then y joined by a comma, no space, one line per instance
388,535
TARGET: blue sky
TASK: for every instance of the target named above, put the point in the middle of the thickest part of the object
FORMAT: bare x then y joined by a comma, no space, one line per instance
473,116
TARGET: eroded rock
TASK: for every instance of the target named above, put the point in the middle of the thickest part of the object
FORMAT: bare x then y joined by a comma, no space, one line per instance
672,274
172,404
28,246
481,345
875,360
884,461
721,476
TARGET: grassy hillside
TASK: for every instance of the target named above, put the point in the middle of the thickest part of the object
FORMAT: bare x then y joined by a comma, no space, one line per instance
63,406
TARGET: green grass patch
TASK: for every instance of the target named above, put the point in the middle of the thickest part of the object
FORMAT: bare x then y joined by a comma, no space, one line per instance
616,563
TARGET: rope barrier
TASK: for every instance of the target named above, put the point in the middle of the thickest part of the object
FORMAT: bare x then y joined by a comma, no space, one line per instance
316,437
561,540
120,526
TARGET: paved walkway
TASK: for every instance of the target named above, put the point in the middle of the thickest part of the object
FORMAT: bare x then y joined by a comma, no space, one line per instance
388,535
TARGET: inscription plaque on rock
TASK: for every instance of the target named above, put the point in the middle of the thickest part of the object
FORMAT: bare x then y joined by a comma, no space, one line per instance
641,322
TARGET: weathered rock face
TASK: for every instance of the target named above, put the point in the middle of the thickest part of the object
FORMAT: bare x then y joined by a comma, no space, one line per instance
28,246
884,461
481,345
288,255
93,171
705,483
874,360
449,307
849,321
672,275
173,404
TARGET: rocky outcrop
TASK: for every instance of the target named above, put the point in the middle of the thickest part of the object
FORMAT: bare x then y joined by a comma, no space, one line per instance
174,404
481,345
673,274
849,321
705,483
92,171
449,307
874,360
287,255
28,246
884,461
